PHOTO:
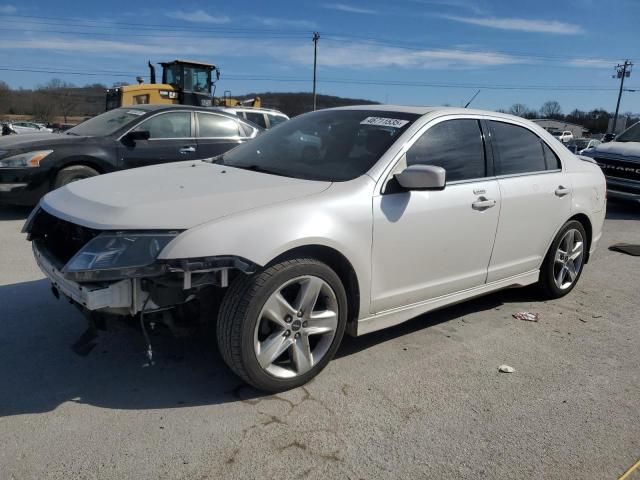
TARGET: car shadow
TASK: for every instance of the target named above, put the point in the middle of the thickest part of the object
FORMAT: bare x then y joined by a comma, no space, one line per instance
8,212
353,345
621,210
40,371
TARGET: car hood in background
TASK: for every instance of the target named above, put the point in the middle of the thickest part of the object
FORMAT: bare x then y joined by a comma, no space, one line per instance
622,149
32,141
177,196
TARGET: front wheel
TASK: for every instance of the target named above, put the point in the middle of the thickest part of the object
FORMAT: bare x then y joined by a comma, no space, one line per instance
72,174
563,263
279,328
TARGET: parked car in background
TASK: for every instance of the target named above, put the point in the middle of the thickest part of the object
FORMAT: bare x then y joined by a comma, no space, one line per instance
399,211
565,136
620,162
29,127
31,165
591,143
264,117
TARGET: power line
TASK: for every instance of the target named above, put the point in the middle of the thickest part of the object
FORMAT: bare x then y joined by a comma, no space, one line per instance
350,81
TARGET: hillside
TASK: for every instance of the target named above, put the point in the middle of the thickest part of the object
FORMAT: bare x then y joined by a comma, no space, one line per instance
296,103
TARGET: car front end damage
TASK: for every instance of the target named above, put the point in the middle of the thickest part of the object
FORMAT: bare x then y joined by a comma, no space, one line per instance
116,275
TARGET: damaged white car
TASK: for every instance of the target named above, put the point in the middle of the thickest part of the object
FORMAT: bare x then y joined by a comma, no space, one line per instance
351,219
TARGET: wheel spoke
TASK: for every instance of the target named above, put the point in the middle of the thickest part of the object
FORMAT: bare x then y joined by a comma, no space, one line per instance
302,357
576,252
571,270
308,295
570,240
277,308
271,348
560,276
322,322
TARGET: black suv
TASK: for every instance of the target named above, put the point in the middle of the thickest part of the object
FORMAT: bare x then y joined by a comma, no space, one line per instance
33,164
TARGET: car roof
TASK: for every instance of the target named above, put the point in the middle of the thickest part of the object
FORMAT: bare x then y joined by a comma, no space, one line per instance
428,110
249,109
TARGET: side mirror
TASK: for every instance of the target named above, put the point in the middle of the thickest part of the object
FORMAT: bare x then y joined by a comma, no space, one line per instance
422,177
136,135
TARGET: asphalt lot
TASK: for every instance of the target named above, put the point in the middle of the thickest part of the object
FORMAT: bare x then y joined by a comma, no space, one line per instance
421,400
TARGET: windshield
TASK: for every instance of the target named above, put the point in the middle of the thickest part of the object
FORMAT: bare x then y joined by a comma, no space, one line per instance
106,123
631,134
329,145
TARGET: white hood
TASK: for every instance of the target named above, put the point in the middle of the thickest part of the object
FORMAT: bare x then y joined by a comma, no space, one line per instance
625,149
171,196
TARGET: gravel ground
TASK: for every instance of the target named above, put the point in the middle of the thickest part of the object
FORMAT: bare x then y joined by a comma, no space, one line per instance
421,400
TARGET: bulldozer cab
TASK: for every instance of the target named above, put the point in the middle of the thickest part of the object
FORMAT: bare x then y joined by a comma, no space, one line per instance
192,81
183,82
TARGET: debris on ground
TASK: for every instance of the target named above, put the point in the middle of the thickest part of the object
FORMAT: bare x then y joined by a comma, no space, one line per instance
627,248
506,369
527,316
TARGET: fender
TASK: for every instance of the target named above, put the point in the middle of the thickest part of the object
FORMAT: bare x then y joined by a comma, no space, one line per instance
339,218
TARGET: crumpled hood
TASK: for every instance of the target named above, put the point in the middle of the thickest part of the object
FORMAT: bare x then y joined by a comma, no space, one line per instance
623,149
177,195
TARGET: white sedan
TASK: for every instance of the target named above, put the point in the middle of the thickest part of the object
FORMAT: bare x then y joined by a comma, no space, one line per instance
30,127
397,211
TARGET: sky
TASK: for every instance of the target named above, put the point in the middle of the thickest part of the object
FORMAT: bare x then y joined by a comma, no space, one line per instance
413,52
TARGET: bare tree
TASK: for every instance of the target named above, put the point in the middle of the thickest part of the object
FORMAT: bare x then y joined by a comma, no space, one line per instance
551,109
518,109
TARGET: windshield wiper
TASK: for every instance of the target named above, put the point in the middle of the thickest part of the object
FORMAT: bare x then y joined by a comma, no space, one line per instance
72,133
258,168
217,160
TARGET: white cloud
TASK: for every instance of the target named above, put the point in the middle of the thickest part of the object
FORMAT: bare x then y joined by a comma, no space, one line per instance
591,63
285,22
198,16
7,9
376,56
343,7
520,24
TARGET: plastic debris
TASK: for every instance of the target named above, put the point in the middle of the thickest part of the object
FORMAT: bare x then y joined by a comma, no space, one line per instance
506,369
527,316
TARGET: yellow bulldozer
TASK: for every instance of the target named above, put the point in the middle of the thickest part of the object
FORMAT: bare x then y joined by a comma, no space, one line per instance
183,82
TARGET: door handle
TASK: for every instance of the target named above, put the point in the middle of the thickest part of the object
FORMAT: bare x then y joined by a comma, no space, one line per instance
562,191
184,150
483,203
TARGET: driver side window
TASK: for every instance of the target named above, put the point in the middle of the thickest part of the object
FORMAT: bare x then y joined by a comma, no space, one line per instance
168,125
455,145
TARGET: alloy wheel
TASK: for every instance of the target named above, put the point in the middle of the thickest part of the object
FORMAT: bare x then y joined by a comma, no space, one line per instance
568,259
296,327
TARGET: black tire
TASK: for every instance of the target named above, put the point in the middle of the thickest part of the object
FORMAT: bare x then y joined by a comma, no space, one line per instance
73,173
546,284
241,308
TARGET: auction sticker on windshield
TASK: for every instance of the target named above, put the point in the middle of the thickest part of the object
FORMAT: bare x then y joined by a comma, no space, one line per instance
384,122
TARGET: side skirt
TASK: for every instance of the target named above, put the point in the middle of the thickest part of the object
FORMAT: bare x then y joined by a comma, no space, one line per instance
395,316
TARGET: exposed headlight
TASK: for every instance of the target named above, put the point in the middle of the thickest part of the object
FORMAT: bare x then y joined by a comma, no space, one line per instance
28,159
113,256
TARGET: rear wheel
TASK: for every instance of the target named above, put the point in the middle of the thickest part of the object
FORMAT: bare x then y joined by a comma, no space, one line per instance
563,264
279,328
72,174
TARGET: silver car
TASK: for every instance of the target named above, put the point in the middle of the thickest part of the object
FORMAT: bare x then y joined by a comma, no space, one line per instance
393,212
29,127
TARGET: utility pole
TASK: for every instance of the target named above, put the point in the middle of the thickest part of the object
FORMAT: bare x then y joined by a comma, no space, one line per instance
622,71
316,37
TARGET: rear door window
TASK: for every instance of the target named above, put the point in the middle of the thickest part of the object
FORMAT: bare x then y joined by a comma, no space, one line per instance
275,119
518,150
455,145
217,126
257,118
